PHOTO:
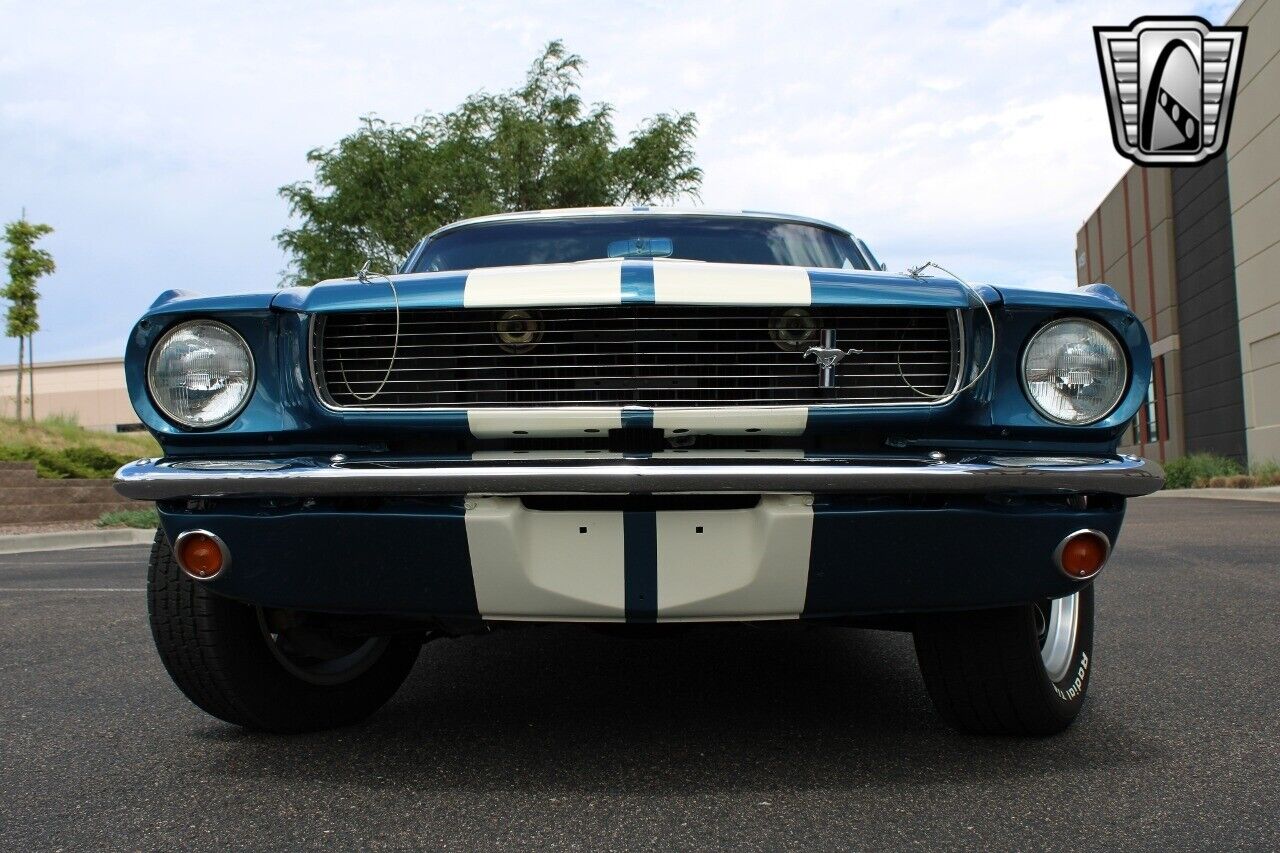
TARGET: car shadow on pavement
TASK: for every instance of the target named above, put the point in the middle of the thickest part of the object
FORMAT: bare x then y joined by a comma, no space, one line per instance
568,709
726,707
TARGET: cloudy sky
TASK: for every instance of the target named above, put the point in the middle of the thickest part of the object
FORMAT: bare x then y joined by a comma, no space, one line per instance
153,137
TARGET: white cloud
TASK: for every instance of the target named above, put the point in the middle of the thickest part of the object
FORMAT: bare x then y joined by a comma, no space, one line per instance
153,137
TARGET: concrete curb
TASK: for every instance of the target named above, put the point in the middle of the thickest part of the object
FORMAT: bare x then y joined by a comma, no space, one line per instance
1269,494
66,540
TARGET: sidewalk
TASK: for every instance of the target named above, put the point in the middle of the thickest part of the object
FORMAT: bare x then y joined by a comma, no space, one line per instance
1269,494
63,540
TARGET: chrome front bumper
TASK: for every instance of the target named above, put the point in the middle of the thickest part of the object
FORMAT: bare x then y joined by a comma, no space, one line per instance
151,479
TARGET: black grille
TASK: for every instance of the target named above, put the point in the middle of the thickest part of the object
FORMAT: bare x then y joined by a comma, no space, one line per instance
648,355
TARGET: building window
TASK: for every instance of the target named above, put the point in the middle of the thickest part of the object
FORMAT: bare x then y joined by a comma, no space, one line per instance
1153,423
1156,428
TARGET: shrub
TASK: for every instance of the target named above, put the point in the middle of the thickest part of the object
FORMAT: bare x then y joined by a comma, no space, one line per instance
69,462
1239,481
95,459
1188,471
145,519
1267,477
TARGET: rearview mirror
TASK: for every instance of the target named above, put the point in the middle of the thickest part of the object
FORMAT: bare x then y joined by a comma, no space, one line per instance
641,247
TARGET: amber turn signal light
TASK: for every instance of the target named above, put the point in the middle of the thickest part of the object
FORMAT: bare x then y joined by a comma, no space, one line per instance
1082,554
200,554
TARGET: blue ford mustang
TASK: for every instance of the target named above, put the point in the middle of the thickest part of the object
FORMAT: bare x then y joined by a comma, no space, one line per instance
632,416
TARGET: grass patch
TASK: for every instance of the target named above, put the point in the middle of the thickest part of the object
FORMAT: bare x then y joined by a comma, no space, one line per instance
1240,481
1205,470
1267,469
61,448
144,519
1187,471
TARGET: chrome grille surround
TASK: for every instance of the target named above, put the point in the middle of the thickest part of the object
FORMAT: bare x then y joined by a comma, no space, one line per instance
656,356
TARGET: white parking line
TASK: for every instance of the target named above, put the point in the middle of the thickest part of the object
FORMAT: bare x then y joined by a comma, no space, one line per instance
15,564
73,589
53,565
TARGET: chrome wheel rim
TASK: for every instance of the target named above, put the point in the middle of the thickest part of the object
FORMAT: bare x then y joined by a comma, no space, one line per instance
348,659
1058,622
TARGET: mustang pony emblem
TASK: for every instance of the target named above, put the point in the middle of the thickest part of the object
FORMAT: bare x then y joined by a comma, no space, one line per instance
828,356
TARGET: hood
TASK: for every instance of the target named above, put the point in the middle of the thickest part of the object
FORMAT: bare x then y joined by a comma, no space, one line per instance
617,281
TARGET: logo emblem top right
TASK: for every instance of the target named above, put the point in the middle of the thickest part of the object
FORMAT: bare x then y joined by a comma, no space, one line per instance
1170,85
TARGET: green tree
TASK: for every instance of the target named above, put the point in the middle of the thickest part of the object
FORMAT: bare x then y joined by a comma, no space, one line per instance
377,191
27,265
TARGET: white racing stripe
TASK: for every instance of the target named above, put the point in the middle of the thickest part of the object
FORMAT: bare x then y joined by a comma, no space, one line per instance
600,283
545,423
677,283
735,564
588,283
545,455
751,455
545,565
571,566
740,420
596,422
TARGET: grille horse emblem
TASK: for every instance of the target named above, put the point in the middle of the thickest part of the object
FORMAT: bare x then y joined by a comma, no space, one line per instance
1170,85
828,356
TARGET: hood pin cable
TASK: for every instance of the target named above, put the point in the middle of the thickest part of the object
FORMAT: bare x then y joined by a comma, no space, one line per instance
915,272
365,277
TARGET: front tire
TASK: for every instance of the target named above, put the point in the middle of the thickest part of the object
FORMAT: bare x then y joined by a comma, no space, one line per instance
257,668
1013,671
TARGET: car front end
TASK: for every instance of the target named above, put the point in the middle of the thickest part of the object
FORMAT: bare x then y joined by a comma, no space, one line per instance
640,437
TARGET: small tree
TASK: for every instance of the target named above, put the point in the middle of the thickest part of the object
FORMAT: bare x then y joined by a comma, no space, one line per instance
27,265
377,191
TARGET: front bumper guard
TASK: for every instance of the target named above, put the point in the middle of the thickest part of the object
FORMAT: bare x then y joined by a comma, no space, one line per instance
311,477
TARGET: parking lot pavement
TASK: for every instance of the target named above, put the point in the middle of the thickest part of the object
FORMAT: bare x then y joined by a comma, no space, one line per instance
728,737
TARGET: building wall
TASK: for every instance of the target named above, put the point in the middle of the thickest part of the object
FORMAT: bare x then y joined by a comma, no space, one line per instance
1205,241
1212,396
1253,170
93,392
1128,243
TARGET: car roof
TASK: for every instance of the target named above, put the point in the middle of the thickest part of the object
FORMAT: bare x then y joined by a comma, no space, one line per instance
587,212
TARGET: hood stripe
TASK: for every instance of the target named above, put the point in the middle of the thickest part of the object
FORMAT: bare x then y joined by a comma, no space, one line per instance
588,283
730,284
613,281
646,282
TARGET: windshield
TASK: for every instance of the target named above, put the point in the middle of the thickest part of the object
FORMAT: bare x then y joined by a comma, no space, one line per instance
722,239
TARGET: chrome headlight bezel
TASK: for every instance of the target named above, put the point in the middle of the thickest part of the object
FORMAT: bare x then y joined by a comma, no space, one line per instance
1121,355
158,347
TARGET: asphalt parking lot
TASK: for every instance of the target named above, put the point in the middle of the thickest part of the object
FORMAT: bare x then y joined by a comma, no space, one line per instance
732,737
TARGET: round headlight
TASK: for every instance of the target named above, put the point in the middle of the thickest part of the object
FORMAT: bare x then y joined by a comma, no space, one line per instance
1074,371
200,373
